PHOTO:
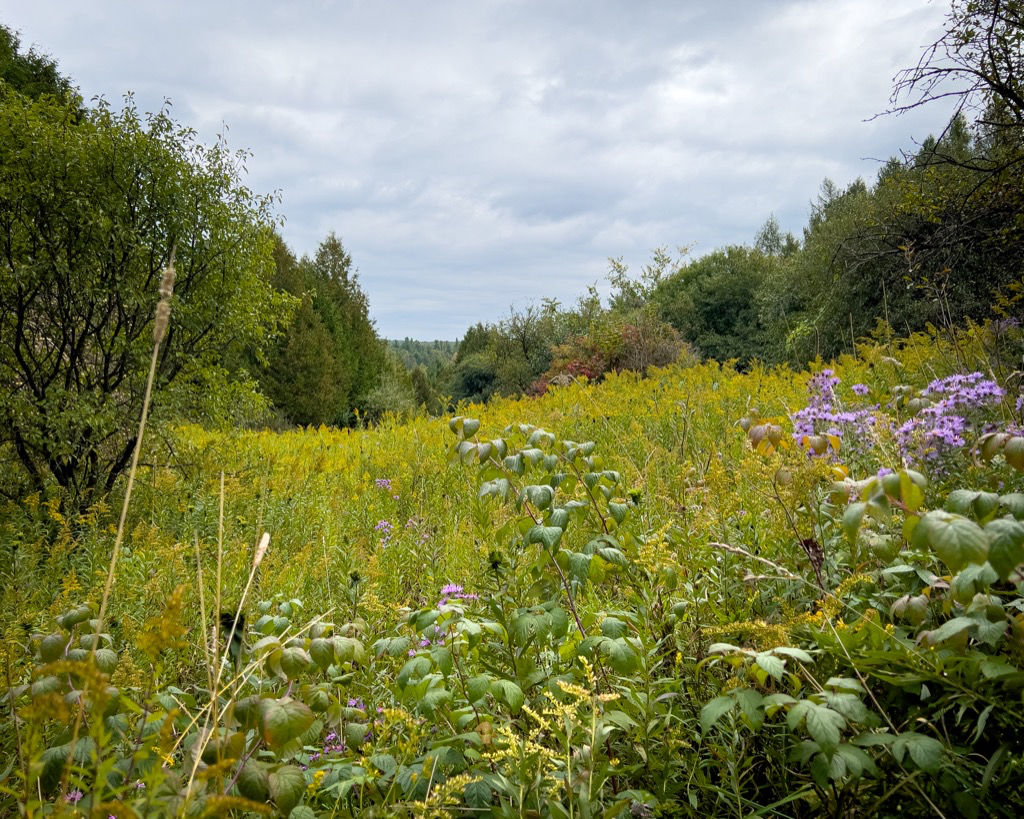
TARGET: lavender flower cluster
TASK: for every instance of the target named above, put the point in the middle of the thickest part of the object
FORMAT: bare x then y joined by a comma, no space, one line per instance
944,424
822,416
384,527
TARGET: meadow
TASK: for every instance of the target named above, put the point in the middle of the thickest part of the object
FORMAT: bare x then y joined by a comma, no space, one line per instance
700,592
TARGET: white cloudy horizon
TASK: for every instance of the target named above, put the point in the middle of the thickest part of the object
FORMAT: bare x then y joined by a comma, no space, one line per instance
472,156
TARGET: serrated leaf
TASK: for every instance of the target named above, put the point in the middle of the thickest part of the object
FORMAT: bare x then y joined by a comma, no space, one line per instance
287,784
772,665
823,724
547,535
714,710
477,794
613,627
621,656
282,720
509,693
1005,545
925,751
254,781
957,540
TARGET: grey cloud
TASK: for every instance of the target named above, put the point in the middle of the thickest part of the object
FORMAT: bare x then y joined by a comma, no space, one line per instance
475,154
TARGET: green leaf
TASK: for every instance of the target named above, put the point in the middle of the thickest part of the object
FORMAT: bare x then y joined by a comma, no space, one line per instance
287,784
621,656
442,658
547,535
414,668
950,628
751,706
771,664
1005,545
294,661
282,720
385,763
714,711
579,566
559,517
477,687
477,794
433,698
925,751
957,540
52,646
509,693
321,651
613,627
823,724
539,496
852,518
302,812
618,511
795,653
960,500
470,427
1014,504
106,660
355,734
254,781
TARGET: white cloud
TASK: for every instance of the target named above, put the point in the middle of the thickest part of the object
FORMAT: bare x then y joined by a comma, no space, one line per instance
475,154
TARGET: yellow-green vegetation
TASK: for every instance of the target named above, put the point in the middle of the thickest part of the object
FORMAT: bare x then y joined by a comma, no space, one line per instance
702,592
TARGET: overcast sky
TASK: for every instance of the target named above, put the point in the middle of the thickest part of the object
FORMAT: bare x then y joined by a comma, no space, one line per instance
481,153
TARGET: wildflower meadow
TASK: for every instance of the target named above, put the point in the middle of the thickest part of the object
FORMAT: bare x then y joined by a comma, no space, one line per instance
703,592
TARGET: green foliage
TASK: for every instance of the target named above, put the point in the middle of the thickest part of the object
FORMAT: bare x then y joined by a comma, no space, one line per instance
31,74
95,203
329,363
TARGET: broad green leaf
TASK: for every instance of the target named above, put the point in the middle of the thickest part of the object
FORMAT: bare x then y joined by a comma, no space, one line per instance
1014,504
795,653
254,781
823,724
477,794
924,750
321,651
287,784
547,535
772,665
852,518
957,540
714,711
52,646
950,628
477,687
414,668
509,693
613,627
282,720
621,656
294,661
1005,545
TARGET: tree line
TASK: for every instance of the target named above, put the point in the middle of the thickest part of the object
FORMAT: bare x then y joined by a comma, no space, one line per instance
95,202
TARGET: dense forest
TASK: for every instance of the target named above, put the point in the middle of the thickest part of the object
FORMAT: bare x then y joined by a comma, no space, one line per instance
746,537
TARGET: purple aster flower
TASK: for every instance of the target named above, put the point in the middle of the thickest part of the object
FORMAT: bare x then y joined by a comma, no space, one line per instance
383,483
860,389
74,797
